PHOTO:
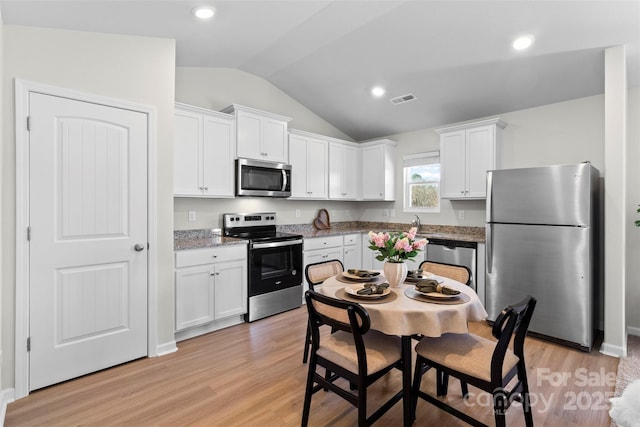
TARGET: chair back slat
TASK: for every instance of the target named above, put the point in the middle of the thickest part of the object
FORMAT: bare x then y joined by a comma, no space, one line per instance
459,273
317,273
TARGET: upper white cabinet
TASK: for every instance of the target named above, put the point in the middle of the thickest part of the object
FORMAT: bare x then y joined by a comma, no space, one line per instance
344,170
260,135
308,156
378,170
203,152
467,152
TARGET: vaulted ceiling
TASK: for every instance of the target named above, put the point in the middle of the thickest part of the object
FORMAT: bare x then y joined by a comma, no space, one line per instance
454,56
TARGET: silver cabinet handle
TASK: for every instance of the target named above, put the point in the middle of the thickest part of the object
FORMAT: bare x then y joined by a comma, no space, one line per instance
139,247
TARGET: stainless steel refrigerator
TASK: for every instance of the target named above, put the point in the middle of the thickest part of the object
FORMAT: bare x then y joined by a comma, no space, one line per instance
542,239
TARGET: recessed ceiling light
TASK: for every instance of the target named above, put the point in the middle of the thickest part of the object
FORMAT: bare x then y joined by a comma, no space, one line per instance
204,12
522,42
377,91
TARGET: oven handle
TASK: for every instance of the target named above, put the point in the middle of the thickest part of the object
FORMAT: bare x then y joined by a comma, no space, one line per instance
276,244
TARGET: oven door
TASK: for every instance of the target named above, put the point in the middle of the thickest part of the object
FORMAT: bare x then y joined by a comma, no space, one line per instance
274,266
265,179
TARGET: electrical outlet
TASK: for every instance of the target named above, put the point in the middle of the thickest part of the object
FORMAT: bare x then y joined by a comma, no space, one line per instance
297,213
460,214
192,216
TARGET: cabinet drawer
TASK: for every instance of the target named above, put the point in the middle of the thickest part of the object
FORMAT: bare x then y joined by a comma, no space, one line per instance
210,255
351,239
322,242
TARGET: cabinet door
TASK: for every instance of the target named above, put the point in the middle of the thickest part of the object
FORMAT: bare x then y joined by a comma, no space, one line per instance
230,289
480,157
317,154
351,174
452,164
274,140
336,171
352,256
187,178
194,296
249,135
217,157
373,172
298,156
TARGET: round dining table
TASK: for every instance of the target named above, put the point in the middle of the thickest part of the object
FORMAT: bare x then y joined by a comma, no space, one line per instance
406,312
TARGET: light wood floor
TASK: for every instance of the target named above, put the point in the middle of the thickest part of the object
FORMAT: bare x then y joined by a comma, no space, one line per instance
252,375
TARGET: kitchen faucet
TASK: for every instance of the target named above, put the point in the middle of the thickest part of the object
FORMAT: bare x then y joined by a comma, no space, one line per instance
416,222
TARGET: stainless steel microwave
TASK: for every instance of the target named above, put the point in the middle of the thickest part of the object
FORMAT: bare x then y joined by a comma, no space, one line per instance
262,179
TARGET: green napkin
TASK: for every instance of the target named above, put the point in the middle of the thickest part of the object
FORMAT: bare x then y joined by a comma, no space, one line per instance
373,289
363,273
430,285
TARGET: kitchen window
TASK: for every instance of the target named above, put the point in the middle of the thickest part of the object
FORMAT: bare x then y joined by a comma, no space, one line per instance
422,182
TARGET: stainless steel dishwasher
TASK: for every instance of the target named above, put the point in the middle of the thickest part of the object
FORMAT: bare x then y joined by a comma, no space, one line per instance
454,252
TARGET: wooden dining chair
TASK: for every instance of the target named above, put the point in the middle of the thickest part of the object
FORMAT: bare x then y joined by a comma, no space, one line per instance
354,352
316,273
459,273
483,363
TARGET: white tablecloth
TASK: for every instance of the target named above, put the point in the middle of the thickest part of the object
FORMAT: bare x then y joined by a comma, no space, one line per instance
407,316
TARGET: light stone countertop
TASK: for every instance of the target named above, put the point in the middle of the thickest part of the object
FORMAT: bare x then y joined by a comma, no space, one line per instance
207,238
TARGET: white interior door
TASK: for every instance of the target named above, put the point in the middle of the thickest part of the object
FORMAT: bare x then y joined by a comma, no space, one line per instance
88,247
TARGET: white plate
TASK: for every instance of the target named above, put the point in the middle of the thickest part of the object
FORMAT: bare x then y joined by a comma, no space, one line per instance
437,295
358,278
353,290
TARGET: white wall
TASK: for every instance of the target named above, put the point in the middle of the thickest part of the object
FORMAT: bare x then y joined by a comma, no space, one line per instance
135,69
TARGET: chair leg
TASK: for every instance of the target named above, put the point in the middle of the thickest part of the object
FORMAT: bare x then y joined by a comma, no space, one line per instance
499,407
308,392
442,383
307,342
417,379
526,401
465,389
362,407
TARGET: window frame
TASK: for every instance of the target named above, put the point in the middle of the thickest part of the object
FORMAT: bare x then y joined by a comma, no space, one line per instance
419,159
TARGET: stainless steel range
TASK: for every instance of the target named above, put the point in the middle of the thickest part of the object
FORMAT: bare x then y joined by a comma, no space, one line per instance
275,263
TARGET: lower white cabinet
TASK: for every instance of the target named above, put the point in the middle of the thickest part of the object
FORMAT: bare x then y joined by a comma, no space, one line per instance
318,249
211,285
352,251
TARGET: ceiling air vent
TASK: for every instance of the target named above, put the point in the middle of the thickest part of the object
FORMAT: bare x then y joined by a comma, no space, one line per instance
402,99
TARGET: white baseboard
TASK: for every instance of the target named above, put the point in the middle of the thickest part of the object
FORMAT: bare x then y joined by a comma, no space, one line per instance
631,330
6,396
613,350
166,348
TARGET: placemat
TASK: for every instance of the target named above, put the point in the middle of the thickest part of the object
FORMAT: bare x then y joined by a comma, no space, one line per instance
413,294
377,279
341,294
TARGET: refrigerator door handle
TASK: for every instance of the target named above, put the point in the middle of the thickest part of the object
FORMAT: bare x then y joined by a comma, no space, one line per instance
489,194
488,233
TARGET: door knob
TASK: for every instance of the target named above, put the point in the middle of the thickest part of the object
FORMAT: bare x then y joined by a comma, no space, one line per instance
139,247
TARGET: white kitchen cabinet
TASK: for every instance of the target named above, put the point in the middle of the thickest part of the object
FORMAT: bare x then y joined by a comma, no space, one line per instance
211,286
344,170
378,170
260,135
467,152
319,249
352,251
308,156
203,152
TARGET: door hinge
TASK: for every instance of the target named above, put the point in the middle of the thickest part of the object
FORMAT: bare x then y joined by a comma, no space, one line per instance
29,233
28,123
28,343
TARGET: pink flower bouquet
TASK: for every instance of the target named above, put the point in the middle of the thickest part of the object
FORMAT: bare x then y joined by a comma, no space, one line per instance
396,247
